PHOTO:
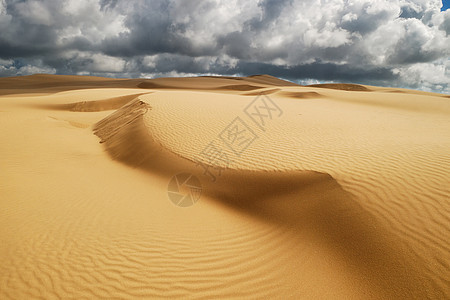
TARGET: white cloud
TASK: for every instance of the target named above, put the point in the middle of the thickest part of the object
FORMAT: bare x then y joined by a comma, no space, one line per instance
7,68
427,76
32,69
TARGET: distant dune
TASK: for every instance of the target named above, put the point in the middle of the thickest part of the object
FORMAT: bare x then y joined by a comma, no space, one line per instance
222,187
342,86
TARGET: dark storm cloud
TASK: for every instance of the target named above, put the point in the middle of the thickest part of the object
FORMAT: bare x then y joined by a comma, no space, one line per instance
9,49
321,71
169,63
31,29
408,12
236,44
152,29
383,42
22,37
317,70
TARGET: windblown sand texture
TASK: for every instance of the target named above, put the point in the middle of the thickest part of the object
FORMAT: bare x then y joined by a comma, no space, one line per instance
343,194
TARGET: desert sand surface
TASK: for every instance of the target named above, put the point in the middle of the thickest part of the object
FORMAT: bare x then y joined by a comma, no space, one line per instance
303,192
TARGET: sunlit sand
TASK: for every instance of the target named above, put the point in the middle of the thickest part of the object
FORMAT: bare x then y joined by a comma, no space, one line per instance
302,192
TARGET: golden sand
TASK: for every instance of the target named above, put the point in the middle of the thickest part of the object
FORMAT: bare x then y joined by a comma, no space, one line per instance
333,192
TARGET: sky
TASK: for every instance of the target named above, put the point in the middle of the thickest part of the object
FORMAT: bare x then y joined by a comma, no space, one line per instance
445,5
398,43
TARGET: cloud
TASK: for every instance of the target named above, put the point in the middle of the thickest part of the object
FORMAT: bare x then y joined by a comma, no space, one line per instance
427,76
18,68
374,42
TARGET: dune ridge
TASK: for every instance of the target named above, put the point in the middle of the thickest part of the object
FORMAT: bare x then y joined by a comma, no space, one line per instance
93,106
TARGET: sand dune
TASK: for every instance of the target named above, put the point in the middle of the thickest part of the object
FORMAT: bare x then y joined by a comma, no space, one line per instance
342,86
342,194
302,95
